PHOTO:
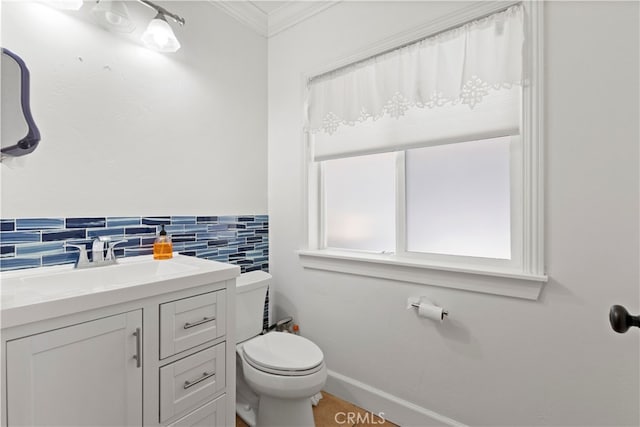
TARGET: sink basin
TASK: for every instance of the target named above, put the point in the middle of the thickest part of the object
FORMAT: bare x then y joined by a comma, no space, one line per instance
48,291
109,276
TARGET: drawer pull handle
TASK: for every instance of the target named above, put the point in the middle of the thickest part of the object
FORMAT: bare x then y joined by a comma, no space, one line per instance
204,376
199,322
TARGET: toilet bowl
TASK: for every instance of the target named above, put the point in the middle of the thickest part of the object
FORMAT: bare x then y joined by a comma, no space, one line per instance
277,373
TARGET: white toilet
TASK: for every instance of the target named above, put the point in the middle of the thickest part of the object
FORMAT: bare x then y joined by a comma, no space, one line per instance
276,373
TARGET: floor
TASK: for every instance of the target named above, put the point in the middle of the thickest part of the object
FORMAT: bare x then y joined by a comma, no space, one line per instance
332,411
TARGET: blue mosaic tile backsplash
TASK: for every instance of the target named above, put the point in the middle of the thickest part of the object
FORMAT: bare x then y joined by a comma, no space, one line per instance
35,242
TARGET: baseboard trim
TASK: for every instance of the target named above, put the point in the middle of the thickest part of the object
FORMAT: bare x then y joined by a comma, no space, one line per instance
396,410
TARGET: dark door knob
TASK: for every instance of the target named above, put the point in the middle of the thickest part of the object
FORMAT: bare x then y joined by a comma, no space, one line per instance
621,320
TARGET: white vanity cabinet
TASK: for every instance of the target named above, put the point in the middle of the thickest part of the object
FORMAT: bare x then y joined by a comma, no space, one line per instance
155,355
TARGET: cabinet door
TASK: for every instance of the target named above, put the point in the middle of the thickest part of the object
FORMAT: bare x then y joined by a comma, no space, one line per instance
82,375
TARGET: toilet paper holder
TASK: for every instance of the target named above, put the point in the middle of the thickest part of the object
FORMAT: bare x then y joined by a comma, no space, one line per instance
416,305
414,302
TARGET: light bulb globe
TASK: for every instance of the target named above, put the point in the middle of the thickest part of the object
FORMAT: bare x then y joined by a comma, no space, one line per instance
159,36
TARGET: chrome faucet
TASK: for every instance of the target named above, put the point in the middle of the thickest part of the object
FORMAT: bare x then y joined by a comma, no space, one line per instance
97,249
99,258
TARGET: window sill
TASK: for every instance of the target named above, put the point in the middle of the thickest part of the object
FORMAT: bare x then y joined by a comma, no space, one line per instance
471,278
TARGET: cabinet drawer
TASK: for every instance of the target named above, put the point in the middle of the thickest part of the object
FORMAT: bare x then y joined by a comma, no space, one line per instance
213,414
189,382
189,322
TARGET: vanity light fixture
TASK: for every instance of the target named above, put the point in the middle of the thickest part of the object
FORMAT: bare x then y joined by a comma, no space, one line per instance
159,36
113,15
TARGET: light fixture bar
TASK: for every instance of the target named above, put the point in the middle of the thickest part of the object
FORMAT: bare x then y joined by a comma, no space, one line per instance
162,10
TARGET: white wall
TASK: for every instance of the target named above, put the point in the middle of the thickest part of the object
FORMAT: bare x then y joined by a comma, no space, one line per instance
497,360
128,131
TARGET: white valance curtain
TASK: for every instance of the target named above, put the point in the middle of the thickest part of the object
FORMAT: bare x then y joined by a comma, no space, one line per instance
458,67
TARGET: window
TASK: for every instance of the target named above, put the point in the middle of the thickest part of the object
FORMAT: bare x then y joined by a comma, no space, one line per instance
359,203
458,199
424,161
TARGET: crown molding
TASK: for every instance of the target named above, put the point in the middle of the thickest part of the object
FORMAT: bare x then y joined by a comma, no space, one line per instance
282,18
246,13
294,12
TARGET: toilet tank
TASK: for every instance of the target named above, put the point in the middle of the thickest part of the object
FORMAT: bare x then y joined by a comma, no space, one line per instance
251,292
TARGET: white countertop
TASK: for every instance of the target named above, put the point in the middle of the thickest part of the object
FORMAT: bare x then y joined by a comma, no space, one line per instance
43,293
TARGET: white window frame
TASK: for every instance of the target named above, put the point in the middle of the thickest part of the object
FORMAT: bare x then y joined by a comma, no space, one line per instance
521,277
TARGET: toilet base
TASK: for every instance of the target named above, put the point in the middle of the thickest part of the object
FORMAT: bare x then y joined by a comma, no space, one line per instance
274,412
245,411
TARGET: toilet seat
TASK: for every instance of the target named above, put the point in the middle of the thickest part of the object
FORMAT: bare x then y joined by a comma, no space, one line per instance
285,354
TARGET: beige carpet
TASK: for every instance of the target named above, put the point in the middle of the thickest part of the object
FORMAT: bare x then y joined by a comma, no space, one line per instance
332,411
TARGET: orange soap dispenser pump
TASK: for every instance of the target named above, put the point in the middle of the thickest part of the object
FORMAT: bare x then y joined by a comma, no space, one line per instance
162,247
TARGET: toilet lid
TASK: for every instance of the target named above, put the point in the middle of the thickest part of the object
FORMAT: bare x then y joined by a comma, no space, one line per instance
282,351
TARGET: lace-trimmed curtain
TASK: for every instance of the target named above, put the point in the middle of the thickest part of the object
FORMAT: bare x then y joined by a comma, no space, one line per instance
457,67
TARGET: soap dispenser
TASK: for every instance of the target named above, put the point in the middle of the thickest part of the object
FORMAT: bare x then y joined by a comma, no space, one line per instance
162,247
